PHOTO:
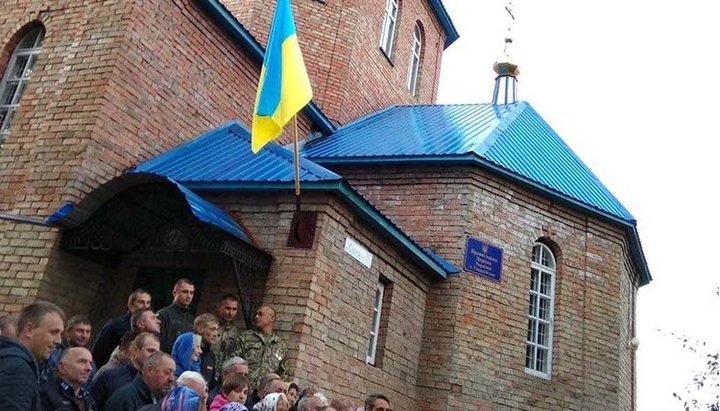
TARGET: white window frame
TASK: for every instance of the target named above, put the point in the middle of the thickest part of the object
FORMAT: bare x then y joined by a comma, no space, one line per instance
9,79
543,263
414,68
389,25
375,324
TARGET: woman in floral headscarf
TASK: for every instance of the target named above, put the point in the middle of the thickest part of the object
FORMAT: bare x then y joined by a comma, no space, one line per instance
273,402
182,399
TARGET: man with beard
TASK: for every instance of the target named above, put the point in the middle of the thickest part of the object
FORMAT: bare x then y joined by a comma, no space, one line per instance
65,392
148,387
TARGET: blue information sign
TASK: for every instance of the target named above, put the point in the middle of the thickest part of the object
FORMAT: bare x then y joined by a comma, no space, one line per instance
483,259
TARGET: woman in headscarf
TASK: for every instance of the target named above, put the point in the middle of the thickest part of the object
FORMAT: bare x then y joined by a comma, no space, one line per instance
182,399
273,402
186,352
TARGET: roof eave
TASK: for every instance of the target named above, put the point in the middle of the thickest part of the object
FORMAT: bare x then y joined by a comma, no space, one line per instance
451,34
352,198
636,252
241,35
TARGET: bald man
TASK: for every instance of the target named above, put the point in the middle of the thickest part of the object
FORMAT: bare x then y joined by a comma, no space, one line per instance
262,348
65,391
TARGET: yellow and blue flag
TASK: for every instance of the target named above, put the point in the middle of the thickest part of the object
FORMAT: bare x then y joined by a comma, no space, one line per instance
284,86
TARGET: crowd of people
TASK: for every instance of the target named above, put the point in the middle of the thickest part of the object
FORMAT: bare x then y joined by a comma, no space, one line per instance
169,360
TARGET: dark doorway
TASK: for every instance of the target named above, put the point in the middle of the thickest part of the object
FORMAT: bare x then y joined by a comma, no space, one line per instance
159,283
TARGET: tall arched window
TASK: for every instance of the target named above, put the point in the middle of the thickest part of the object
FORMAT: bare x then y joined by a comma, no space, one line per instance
15,79
414,68
538,353
388,28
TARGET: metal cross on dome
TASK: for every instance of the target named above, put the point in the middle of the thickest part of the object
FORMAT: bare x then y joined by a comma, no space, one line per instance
509,33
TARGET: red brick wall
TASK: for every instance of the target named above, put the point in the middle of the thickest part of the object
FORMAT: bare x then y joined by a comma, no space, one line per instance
474,346
114,85
351,76
324,298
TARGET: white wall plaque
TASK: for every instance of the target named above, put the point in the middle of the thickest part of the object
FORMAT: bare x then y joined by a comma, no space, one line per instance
358,252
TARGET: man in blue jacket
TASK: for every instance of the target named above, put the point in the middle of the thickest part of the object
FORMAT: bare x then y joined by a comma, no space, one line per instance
39,329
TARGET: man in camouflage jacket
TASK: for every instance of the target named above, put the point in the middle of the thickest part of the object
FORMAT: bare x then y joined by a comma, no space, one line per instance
263,350
226,311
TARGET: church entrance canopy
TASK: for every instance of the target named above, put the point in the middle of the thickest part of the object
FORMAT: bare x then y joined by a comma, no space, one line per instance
149,214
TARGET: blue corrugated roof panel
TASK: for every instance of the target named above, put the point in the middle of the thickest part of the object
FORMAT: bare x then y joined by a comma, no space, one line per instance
210,214
72,215
513,137
224,155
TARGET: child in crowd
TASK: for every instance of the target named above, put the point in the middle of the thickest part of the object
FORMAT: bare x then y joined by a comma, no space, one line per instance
234,391
292,393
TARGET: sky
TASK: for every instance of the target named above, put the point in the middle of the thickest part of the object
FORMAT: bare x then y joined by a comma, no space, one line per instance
632,88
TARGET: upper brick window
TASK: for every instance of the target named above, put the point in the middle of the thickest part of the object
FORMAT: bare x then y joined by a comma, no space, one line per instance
414,68
16,77
538,353
388,27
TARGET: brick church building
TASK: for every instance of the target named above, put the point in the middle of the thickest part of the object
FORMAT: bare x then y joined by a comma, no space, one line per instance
454,257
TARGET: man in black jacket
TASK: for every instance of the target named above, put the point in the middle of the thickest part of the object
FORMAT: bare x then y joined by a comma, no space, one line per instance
39,328
142,347
111,333
176,318
148,387
65,392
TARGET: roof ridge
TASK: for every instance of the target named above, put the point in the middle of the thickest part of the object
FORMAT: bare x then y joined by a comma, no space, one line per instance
442,104
362,119
368,116
305,163
505,121
577,158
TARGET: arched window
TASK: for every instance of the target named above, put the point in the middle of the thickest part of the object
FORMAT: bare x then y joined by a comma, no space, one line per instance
414,68
538,353
388,27
15,79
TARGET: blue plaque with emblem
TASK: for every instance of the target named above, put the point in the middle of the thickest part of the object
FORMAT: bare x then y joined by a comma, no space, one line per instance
483,258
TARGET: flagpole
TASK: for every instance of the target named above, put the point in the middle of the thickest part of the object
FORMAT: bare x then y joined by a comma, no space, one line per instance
297,165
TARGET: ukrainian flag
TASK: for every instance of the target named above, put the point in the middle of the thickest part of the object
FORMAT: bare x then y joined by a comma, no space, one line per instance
284,87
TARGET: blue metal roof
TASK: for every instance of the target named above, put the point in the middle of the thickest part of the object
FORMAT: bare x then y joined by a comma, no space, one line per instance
224,155
222,160
448,266
210,214
510,140
513,137
72,215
